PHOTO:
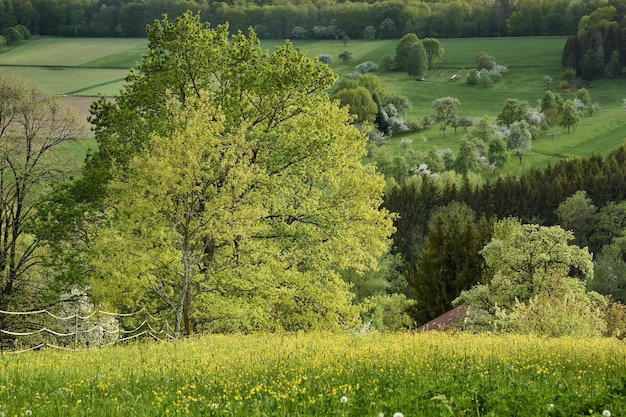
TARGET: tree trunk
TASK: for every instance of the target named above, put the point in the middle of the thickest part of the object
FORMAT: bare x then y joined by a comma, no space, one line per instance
184,300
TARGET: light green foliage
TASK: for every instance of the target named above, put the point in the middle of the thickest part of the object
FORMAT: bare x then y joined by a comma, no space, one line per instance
578,214
445,109
360,103
434,51
387,313
387,279
473,76
530,287
386,62
549,101
466,158
237,198
512,111
484,61
610,224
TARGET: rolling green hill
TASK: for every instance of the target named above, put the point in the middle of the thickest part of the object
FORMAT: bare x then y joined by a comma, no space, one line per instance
87,67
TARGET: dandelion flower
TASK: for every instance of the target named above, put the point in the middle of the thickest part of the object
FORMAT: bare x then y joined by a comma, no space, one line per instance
381,414
550,407
398,414
28,412
344,399
606,413
213,405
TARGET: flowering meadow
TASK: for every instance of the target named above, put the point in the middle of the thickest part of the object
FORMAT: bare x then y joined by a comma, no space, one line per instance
319,374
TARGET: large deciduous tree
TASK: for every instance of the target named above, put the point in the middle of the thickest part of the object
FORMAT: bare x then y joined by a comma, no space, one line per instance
237,188
535,284
34,127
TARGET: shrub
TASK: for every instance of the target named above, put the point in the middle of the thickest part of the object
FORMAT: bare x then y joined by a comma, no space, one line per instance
366,67
325,58
615,317
473,76
387,313
568,74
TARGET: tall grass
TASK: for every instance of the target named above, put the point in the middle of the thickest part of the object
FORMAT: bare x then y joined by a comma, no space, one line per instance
430,375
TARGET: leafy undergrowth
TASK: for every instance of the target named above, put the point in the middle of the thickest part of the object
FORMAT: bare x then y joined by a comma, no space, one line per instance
317,374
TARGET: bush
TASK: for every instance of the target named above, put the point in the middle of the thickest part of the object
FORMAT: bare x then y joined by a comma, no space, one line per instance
568,74
615,317
325,58
387,313
11,35
366,67
23,31
473,76
345,56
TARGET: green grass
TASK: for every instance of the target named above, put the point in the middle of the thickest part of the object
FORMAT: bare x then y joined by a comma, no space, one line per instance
89,67
433,375
69,52
527,59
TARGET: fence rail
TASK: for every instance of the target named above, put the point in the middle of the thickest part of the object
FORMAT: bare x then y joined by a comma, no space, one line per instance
96,329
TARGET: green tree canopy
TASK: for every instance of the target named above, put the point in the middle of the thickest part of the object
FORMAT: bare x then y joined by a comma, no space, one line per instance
434,51
403,50
569,116
445,109
237,187
534,284
360,103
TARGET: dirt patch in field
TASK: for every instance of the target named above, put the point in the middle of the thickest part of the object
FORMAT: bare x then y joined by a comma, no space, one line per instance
81,104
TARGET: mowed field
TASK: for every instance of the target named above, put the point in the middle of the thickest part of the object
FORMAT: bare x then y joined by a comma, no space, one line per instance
88,67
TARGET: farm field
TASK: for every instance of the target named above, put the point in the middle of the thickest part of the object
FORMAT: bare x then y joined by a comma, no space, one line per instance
88,67
429,374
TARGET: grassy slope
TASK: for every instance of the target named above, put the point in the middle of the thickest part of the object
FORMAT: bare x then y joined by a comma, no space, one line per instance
528,60
91,66
308,374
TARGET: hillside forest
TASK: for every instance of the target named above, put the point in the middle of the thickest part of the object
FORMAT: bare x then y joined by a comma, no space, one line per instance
231,192
310,18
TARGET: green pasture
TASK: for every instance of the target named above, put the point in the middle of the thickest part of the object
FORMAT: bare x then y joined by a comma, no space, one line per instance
88,67
72,80
71,52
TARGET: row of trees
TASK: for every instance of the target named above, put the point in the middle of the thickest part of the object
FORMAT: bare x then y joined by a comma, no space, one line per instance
309,19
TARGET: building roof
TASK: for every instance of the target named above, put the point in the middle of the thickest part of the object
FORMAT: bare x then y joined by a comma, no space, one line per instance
447,319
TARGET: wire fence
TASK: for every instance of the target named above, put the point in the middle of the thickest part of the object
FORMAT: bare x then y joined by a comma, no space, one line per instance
23,331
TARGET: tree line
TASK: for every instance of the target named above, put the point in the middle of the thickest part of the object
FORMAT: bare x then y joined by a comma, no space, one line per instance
310,18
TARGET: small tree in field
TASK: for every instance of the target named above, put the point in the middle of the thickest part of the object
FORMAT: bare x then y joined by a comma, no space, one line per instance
345,56
434,51
570,116
445,109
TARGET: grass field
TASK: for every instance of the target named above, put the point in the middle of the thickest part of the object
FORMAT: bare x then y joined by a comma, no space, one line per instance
88,67
431,374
